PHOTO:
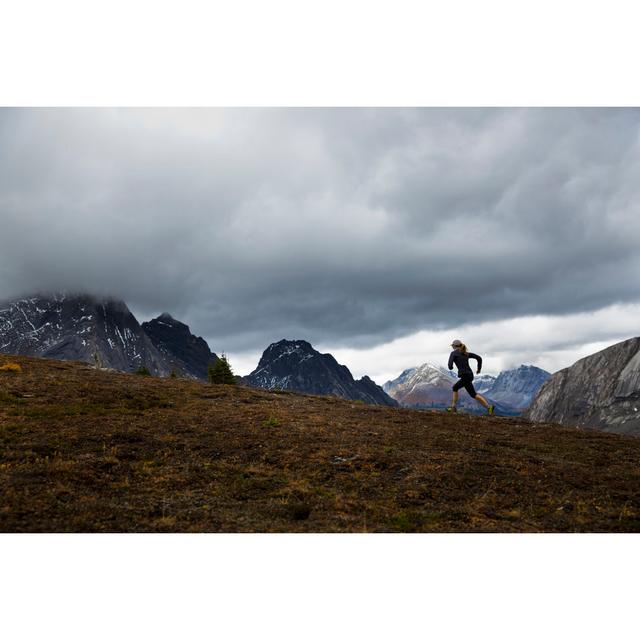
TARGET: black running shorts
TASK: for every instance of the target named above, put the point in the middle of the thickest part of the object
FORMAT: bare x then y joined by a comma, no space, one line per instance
465,381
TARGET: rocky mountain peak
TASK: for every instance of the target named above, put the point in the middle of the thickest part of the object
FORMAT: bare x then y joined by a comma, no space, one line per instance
287,353
184,351
518,386
296,365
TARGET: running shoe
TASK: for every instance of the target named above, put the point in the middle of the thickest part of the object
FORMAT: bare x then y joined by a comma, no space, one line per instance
452,409
491,408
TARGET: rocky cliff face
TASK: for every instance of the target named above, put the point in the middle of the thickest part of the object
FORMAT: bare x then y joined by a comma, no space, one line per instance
296,365
76,328
182,350
600,391
81,327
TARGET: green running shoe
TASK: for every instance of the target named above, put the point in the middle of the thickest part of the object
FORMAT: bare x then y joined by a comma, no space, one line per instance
452,409
491,408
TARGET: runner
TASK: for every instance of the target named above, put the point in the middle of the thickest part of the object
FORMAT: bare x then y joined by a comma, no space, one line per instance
460,357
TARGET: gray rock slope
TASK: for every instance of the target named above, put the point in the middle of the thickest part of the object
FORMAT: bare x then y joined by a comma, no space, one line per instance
600,391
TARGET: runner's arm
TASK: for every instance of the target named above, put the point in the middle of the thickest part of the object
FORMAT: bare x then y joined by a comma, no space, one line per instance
478,358
450,365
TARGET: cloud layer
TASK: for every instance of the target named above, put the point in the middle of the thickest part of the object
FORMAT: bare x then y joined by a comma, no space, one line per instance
549,342
346,227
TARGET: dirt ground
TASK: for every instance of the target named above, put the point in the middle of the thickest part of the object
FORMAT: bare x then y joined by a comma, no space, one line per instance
83,450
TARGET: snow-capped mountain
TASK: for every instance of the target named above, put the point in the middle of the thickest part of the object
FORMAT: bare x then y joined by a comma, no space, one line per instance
517,387
483,382
428,373
86,328
182,350
296,365
601,391
423,386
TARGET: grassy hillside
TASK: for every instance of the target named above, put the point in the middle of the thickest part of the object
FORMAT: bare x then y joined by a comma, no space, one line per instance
87,450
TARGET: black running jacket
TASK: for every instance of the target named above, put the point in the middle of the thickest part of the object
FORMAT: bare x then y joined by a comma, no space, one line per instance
461,361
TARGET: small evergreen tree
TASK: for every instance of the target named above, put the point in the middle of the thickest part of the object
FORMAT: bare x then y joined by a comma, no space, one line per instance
220,372
143,371
173,374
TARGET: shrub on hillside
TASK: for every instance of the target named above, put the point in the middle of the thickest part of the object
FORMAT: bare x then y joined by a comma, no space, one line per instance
11,367
271,421
143,371
220,372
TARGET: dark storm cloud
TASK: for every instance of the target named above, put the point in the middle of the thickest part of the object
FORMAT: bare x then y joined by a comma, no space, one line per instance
342,226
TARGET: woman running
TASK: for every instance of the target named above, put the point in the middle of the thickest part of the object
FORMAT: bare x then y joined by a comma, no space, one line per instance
460,356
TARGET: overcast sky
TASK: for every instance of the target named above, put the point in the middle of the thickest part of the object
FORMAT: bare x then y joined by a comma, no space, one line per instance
376,234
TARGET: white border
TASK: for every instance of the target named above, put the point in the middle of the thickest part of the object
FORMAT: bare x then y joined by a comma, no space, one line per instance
330,53
319,586
334,52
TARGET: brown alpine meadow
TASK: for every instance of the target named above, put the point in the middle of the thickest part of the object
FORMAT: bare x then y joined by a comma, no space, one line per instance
88,450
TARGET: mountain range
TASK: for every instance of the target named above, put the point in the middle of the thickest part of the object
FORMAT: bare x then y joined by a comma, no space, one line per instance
102,331
429,386
601,391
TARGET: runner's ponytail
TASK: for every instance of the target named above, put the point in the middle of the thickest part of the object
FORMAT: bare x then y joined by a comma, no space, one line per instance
463,348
